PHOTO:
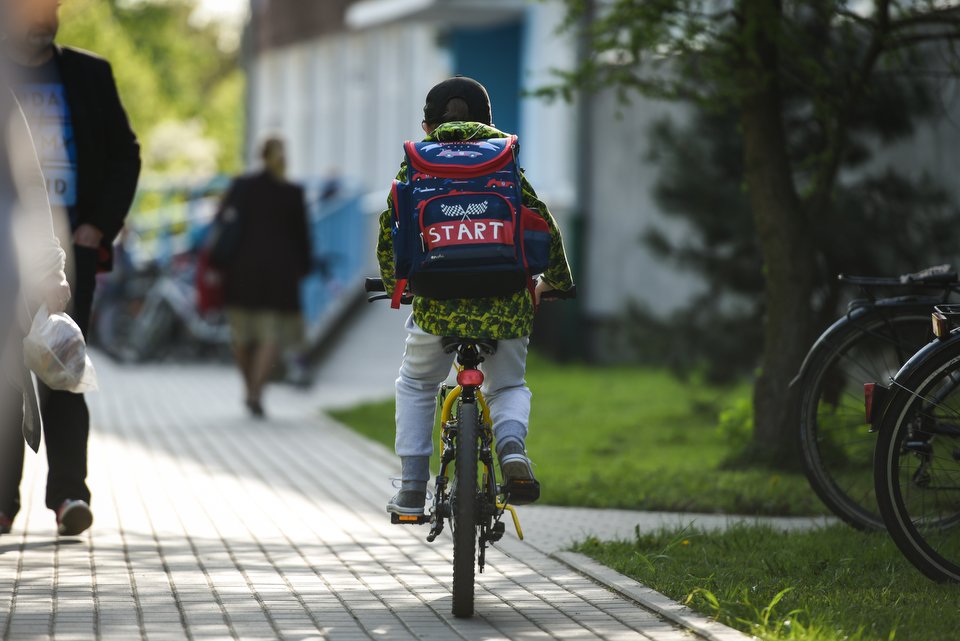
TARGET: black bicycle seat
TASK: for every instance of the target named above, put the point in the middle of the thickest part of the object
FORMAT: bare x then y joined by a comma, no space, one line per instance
939,275
486,346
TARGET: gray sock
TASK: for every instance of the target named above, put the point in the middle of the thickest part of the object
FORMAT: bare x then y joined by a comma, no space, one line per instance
510,445
510,431
416,473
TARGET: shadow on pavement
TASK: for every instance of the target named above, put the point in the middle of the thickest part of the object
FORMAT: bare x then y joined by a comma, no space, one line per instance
37,545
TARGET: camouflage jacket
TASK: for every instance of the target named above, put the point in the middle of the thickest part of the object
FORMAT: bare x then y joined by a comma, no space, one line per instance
495,318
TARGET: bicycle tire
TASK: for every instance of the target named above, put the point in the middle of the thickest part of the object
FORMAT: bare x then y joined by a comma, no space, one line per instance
152,331
465,517
833,466
932,545
112,327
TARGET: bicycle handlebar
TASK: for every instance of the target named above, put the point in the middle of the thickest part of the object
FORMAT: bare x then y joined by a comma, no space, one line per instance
375,285
558,294
372,285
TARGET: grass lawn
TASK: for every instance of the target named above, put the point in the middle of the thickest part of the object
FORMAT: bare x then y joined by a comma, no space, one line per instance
631,438
836,583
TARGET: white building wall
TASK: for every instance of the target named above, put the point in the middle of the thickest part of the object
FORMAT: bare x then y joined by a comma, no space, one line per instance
620,267
345,103
550,128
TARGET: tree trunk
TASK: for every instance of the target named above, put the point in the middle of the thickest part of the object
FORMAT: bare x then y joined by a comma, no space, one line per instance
784,236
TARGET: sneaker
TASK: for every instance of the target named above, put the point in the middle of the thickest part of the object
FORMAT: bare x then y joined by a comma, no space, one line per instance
256,409
517,471
73,517
407,503
6,523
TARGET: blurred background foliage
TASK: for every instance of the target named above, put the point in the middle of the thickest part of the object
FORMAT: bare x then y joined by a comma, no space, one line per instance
180,80
881,221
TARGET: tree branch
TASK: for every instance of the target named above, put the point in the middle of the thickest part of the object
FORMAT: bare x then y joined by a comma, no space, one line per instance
856,17
947,15
836,135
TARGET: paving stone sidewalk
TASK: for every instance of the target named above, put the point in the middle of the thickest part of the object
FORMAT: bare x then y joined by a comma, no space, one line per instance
210,525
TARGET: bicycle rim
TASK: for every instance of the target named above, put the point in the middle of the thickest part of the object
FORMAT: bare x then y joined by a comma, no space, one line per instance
465,512
917,468
836,445
151,329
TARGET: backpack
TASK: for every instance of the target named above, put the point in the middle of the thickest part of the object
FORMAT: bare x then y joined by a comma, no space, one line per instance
460,227
223,237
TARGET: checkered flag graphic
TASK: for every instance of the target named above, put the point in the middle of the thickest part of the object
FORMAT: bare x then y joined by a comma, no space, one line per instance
473,209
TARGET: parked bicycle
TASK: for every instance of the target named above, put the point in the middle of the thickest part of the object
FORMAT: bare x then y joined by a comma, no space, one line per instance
868,344
917,458
153,312
467,494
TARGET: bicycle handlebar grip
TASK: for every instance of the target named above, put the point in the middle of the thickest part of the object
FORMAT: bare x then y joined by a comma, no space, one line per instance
374,285
557,294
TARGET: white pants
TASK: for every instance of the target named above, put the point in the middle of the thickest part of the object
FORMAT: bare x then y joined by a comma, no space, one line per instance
425,367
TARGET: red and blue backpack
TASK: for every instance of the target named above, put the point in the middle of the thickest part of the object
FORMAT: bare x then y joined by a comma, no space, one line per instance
460,227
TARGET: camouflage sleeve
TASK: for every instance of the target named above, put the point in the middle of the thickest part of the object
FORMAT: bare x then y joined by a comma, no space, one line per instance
558,273
385,239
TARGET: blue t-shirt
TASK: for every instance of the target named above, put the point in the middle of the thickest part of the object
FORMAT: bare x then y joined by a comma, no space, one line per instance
42,95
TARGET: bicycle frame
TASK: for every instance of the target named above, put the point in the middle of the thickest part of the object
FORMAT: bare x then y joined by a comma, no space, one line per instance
477,518
493,505
448,400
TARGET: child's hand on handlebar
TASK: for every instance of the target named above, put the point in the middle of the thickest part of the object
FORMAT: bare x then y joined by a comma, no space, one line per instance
542,287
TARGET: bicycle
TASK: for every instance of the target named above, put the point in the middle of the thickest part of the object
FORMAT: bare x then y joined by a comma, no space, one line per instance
868,344
917,458
469,497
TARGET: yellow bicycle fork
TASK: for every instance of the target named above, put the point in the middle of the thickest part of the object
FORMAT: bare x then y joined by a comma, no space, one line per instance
446,413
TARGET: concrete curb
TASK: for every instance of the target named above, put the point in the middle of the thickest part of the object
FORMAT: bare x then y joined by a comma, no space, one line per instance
674,612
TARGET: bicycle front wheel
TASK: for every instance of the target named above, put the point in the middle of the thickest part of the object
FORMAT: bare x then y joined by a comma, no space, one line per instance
465,517
917,465
835,442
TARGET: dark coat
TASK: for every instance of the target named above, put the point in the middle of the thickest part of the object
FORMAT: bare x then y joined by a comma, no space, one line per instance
108,153
272,252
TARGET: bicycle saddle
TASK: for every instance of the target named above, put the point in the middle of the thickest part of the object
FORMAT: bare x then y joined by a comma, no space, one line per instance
931,275
486,346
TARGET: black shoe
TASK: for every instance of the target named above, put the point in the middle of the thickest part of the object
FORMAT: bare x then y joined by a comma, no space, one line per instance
517,470
256,409
407,503
73,517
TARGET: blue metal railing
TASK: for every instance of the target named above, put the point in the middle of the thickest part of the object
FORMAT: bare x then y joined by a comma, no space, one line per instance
340,248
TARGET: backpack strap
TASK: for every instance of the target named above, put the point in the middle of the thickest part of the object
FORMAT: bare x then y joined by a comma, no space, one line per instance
398,290
396,203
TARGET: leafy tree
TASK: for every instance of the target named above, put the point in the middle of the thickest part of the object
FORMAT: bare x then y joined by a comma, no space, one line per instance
740,56
171,73
883,223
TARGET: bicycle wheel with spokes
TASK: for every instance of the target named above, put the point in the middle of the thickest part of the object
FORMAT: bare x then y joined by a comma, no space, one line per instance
465,517
917,465
836,445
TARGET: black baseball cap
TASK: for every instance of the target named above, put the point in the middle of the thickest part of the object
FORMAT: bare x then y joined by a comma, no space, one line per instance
468,90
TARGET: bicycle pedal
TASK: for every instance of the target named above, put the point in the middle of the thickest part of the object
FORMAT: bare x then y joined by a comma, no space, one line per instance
522,492
413,519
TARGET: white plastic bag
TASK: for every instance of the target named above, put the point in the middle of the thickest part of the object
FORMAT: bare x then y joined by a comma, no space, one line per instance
57,353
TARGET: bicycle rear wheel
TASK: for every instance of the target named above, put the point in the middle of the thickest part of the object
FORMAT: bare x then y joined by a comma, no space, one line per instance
917,466
465,517
836,446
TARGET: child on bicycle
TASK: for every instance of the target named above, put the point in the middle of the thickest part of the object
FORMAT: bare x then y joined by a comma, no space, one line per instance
458,109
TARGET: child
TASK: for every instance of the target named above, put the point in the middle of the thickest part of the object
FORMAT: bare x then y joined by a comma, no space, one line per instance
458,109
